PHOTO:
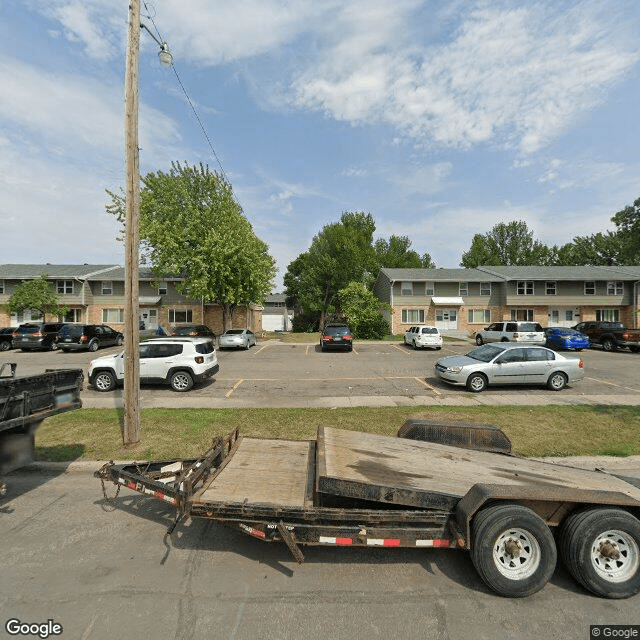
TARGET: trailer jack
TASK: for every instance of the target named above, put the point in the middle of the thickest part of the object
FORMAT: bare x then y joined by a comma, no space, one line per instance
287,538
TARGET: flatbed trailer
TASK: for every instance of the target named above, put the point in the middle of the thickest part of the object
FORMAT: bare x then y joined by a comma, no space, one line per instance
355,489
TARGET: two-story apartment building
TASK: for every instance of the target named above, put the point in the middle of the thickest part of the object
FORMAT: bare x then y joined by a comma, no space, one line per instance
95,294
466,300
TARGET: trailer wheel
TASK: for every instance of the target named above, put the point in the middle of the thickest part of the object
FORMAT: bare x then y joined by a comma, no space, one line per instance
104,381
513,550
601,549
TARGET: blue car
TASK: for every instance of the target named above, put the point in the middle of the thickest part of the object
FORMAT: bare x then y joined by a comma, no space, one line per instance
565,338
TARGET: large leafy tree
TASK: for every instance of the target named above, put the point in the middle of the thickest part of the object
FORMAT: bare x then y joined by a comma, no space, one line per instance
506,244
362,310
191,225
627,224
38,295
396,253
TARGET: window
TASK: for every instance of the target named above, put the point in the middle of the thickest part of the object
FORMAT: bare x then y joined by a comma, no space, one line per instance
113,315
522,315
73,315
550,288
589,288
607,315
479,316
1,286
162,288
524,287
429,288
485,288
107,288
614,288
410,316
180,315
463,288
64,286
535,354
406,288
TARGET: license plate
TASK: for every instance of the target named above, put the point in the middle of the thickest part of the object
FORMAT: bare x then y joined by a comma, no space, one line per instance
67,339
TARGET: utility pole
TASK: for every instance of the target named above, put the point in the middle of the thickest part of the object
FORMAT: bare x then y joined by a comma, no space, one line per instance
131,426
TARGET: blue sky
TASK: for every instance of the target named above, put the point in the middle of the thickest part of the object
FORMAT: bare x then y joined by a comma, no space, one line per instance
440,118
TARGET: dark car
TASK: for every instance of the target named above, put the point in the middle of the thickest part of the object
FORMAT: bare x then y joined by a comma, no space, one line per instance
6,338
37,335
194,330
566,338
89,337
336,336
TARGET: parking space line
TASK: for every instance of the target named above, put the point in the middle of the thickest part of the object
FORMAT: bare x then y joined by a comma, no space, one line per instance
264,346
235,386
426,384
401,349
613,384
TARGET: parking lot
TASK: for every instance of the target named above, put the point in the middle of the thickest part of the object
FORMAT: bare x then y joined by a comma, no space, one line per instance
276,374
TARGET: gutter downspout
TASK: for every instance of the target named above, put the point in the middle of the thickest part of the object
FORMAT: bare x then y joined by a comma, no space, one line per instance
392,308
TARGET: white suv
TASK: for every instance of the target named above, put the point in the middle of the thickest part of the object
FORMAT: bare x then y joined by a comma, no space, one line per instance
179,362
423,336
512,331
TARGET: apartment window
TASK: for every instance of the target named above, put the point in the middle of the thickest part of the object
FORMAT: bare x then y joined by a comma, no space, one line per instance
485,288
607,315
429,289
180,315
73,315
479,316
589,288
64,286
412,316
1,286
463,288
406,288
524,287
107,288
112,315
162,289
550,288
522,315
614,288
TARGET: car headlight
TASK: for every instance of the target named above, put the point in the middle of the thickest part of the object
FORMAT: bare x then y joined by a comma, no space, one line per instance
454,369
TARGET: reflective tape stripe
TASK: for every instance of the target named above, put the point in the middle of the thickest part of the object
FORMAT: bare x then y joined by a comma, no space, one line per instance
344,541
433,543
383,542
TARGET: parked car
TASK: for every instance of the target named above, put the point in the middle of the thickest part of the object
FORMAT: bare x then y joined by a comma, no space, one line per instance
566,338
237,339
194,330
89,337
37,335
336,336
512,331
423,336
509,363
6,338
610,335
178,362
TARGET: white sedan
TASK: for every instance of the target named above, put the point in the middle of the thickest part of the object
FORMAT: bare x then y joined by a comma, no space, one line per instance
237,339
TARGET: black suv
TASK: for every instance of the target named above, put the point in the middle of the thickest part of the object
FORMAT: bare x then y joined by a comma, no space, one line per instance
336,336
77,337
37,335
194,330
6,338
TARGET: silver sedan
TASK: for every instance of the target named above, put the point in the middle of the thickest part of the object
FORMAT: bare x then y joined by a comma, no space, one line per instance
509,363
237,339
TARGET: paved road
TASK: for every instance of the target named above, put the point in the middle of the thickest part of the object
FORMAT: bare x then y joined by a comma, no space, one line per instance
104,572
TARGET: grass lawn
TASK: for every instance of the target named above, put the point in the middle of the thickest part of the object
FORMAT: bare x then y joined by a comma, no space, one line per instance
95,434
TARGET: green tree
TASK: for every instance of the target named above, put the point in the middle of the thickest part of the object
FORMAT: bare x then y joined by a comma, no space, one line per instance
507,244
396,253
38,295
191,225
598,249
362,310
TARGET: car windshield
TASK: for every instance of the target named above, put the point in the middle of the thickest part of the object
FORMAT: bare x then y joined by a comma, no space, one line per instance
183,331
429,330
29,329
71,330
232,332
530,326
337,331
205,347
485,353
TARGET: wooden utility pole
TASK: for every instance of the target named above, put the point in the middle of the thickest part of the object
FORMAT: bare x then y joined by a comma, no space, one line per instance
131,430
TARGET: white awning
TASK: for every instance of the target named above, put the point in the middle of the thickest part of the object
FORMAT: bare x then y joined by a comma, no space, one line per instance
453,301
149,301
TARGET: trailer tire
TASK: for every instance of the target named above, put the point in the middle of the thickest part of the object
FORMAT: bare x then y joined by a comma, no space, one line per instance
528,565
582,537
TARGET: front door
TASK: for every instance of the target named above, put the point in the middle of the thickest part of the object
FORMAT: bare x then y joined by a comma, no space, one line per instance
563,316
447,319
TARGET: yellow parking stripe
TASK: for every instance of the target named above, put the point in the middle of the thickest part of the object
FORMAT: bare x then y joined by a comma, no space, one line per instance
235,386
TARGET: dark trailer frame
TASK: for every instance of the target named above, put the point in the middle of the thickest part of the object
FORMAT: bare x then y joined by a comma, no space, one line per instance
358,489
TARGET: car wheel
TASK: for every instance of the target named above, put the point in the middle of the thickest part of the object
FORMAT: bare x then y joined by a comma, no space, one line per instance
64,350
479,341
104,381
119,341
504,340
557,381
632,349
608,344
415,346
513,550
93,345
4,346
601,549
181,381
476,382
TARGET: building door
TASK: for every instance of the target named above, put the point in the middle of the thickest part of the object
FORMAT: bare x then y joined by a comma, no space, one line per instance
447,319
563,316
149,319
